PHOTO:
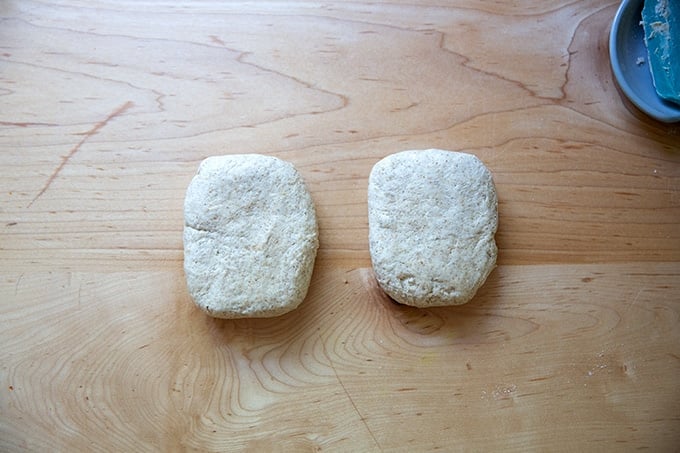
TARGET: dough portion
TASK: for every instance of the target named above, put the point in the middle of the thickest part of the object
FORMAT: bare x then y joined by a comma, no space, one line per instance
432,217
250,236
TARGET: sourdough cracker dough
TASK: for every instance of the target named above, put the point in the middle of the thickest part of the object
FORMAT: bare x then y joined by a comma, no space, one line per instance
250,236
432,218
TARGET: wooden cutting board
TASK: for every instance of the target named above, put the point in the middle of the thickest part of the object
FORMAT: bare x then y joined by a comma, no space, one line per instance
573,344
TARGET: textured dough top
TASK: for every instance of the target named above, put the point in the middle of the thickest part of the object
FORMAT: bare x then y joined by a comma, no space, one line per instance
432,218
250,236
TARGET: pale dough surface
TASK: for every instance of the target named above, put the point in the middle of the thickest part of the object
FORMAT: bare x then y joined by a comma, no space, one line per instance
432,218
250,236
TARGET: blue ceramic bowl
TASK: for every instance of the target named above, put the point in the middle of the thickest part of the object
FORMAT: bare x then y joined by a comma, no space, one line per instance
628,55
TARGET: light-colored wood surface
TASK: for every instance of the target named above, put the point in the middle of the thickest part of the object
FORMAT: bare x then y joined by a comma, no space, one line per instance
108,107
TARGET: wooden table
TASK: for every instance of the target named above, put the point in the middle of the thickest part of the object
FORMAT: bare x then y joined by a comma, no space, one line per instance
573,344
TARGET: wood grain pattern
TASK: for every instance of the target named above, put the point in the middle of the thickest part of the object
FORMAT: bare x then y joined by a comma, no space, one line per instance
573,343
